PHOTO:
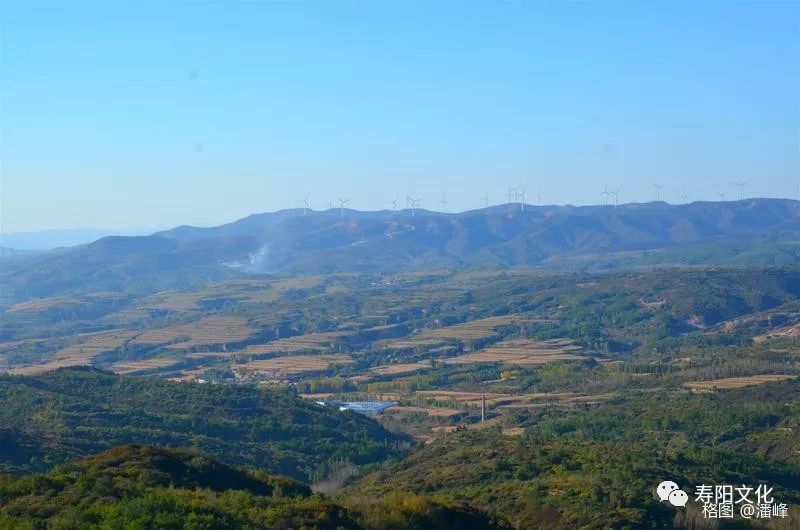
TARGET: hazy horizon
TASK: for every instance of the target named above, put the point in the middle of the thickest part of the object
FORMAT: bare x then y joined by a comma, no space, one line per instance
63,237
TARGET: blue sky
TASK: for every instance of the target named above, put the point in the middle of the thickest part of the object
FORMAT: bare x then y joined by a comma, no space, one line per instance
132,115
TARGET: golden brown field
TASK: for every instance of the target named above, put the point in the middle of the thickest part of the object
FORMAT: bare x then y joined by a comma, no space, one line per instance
205,332
394,369
297,364
82,351
523,352
130,367
735,382
436,412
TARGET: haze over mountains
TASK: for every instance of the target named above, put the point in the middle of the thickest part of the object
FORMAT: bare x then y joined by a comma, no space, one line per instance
746,232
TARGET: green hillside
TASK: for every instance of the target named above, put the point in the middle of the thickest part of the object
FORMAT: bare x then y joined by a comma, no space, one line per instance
146,487
598,468
57,416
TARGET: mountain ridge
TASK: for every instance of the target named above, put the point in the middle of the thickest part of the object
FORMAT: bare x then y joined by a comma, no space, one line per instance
748,232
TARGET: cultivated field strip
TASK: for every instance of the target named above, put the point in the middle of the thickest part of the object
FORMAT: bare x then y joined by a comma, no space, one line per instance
130,367
207,331
523,352
297,364
400,368
735,382
83,352
471,331
92,345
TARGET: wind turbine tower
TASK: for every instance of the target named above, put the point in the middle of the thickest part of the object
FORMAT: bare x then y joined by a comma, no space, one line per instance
486,201
721,196
521,196
604,194
305,203
658,188
615,193
443,203
342,202
741,184
512,195
413,204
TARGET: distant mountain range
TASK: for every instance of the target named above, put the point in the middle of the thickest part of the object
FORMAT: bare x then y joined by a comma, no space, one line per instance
746,232
50,239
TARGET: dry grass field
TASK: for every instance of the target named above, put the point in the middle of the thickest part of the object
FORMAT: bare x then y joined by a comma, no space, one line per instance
43,304
82,352
786,332
33,369
189,375
434,412
523,352
175,301
297,364
465,332
130,367
735,382
308,342
92,345
395,369
508,401
205,332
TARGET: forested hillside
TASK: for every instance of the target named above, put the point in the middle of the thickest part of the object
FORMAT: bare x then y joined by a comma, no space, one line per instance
598,468
61,415
149,488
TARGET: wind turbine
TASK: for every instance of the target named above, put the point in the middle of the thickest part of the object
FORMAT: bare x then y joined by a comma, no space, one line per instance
305,203
412,203
721,196
512,195
443,203
330,205
539,197
658,188
604,194
684,196
616,196
486,201
522,199
394,203
741,184
342,202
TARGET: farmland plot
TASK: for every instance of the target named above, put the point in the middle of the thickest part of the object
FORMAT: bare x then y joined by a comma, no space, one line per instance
523,352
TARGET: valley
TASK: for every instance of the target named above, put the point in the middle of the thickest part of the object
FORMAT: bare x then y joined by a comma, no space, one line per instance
502,391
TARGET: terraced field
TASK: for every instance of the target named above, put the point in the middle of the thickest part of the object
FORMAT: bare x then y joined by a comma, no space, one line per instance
297,364
82,351
144,365
735,382
523,352
400,368
308,342
208,331
466,332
